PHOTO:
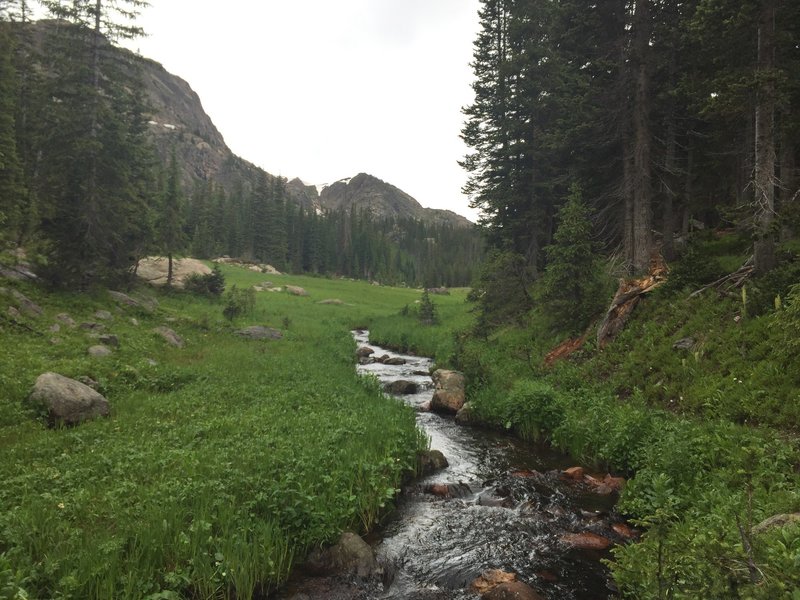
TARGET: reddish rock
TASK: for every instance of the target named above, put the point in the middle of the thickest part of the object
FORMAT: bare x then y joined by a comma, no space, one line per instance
438,489
574,473
514,590
615,483
491,579
586,541
625,530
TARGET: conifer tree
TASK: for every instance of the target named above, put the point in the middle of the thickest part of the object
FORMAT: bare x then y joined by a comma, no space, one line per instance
571,288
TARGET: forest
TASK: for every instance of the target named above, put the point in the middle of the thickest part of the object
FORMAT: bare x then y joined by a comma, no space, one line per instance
85,189
662,119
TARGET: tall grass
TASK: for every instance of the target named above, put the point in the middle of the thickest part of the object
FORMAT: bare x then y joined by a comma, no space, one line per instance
222,463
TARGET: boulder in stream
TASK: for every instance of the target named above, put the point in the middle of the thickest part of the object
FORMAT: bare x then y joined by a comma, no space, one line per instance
514,590
586,540
431,461
448,395
401,387
351,555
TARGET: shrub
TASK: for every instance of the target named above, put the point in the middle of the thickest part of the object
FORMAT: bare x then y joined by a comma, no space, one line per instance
212,284
239,302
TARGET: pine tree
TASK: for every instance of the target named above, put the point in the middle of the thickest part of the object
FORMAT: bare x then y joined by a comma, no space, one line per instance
170,227
571,288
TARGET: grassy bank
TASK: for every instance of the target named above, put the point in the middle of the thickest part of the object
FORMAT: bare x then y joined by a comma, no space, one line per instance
223,462
706,434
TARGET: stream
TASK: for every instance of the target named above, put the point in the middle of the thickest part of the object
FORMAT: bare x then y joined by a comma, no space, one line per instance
507,506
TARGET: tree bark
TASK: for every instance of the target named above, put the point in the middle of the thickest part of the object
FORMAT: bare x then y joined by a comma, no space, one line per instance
764,175
641,184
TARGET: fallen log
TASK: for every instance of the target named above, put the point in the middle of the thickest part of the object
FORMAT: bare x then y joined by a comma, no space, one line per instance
628,294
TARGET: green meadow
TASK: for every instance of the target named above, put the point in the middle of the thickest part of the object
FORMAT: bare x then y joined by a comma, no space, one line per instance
222,464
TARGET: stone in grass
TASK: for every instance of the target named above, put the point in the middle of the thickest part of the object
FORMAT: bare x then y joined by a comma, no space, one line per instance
259,332
99,351
66,401
65,319
349,556
296,290
103,315
109,340
26,305
172,338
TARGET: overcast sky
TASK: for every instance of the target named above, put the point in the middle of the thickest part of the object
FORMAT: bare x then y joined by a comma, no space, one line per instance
325,89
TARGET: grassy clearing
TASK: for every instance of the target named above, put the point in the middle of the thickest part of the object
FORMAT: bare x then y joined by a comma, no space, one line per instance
402,329
223,462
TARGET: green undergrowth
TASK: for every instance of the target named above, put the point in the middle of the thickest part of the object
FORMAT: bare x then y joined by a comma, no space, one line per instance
223,462
707,434
404,331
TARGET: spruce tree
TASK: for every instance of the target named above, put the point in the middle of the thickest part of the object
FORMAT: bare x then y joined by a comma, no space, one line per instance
571,288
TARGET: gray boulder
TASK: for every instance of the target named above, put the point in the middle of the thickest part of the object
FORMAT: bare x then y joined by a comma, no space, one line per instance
431,461
401,386
172,338
99,351
295,290
26,305
259,332
66,401
349,556
65,319
464,416
449,394
364,351
686,343
103,315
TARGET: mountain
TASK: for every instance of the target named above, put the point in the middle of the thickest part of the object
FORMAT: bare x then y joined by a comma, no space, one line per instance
383,200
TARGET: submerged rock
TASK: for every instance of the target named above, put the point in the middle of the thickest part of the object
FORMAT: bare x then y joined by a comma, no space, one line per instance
66,400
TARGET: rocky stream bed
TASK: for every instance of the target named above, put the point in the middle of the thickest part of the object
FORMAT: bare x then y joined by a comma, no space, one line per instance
501,510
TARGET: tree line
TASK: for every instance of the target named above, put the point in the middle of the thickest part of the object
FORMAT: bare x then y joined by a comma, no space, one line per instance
666,114
83,189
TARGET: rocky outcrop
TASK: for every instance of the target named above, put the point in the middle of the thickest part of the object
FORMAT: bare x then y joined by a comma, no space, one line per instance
448,394
153,270
351,555
66,401
382,200
776,521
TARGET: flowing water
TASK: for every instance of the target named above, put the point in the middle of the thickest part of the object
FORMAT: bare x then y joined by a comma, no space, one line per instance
506,507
